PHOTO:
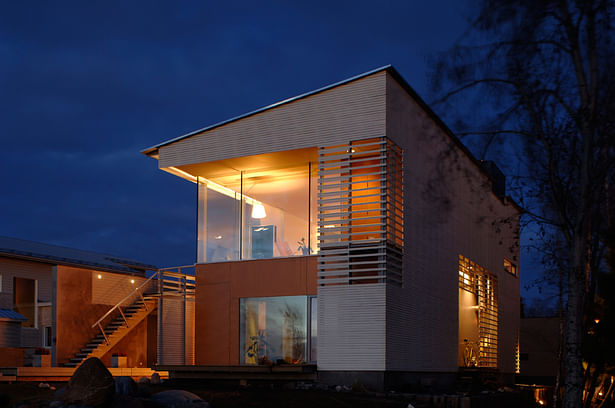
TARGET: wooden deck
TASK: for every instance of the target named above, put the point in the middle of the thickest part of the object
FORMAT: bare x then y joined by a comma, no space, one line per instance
11,374
303,372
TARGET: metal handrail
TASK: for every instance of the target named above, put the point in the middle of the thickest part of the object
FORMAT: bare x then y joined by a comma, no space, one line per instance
121,302
186,283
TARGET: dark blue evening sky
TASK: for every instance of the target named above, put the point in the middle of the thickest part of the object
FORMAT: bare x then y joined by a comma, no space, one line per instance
86,85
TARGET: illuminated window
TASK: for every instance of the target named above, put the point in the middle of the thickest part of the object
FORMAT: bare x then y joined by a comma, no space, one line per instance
510,267
257,214
478,314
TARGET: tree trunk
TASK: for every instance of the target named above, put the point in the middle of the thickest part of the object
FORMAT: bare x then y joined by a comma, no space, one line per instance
573,397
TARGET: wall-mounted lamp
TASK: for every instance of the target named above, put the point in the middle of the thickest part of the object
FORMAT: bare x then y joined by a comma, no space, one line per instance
258,211
132,281
99,276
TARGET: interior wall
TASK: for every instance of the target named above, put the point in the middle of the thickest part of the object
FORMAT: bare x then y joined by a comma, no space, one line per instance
468,322
221,285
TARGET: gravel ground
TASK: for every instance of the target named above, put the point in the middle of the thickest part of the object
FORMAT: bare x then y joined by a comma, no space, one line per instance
224,396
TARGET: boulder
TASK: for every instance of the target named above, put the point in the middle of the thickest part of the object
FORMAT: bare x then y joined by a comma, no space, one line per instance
155,378
126,401
179,399
91,385
125,386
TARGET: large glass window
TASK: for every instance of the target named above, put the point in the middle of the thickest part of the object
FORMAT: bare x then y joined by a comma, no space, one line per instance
218,223
257,214
275,220
274,330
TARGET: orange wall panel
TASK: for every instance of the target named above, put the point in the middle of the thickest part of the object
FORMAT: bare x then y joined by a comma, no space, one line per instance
221,285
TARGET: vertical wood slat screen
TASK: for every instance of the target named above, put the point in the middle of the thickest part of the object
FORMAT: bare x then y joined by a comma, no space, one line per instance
476,279
360,213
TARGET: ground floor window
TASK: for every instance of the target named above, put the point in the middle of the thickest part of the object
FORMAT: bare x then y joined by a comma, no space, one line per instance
478,315
277,330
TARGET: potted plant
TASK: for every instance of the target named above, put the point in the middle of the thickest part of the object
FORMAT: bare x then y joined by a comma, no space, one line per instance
303,248
41,357
119,360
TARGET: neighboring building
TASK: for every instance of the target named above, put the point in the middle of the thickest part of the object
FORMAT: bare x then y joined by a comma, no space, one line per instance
539,346
348,227
50,296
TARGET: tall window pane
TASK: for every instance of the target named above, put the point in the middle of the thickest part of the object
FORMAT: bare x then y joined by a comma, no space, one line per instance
276,213
218,218
273,330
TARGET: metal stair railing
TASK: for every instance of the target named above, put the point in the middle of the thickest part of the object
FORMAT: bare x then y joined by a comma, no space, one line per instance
139,291
173,280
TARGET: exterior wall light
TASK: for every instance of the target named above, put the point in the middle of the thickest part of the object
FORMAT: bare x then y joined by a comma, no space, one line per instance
132,281
99,276
258,211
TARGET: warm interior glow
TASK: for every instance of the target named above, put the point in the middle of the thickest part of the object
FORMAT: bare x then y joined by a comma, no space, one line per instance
258,211
212,186
597,321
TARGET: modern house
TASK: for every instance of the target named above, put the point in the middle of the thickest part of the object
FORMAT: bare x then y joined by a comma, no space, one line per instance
349,228
52,296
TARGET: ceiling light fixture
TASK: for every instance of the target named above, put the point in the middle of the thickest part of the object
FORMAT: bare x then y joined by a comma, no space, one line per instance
258,211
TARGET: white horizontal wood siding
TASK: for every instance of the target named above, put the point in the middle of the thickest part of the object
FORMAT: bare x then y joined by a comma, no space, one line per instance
10,333
449,209
352,111
351,327
171,331
10,268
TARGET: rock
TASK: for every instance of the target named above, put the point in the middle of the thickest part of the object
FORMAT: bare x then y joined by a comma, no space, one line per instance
179,399
55,404
91,384
126,401
58,394
155,378
125,386
143,380
410,406
338,388
43,385
143,391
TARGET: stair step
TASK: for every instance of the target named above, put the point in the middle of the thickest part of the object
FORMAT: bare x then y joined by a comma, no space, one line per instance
81,355
76,360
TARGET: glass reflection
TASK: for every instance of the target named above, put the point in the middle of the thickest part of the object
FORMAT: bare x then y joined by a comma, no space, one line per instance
273,330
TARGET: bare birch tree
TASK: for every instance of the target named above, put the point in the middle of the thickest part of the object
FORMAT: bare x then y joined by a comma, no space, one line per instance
543,74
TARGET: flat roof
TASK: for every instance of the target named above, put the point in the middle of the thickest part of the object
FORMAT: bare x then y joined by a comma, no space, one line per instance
60,255
390,70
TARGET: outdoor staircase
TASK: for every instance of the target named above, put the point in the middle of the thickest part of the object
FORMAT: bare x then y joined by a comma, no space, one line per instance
128,318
